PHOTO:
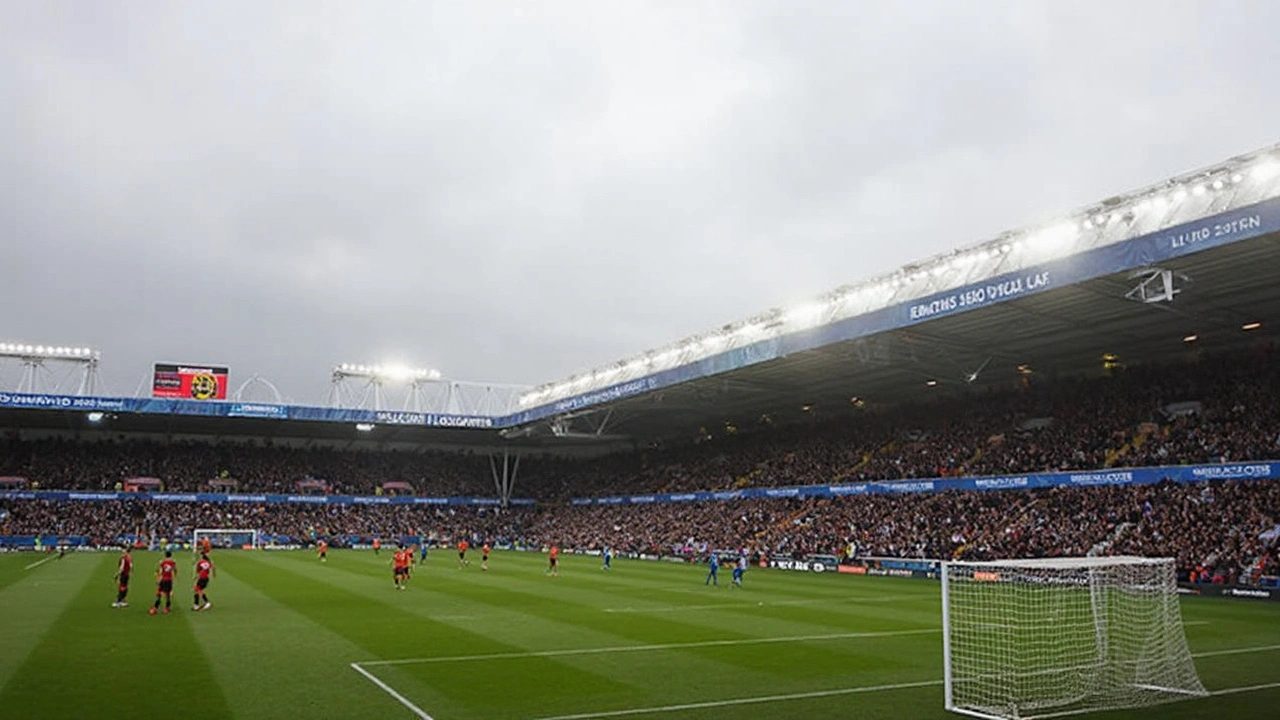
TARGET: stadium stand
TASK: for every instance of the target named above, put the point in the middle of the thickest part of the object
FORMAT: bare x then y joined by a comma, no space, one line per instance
1219,409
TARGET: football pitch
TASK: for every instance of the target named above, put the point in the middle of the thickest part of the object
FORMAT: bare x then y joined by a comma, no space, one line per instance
290,637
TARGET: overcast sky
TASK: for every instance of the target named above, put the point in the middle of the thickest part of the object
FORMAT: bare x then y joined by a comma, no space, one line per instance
516,191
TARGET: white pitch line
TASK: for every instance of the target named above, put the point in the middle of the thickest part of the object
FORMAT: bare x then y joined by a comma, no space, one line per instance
865,689
748,605
1236,651
388,690
744,701
646,648
1250,688
741,701
38,563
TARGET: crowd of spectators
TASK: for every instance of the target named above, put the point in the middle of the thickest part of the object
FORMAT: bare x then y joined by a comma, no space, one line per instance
1219,409
1228,529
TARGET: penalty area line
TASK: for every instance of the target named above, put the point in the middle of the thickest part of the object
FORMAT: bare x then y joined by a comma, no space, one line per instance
650,648
38,563
390,691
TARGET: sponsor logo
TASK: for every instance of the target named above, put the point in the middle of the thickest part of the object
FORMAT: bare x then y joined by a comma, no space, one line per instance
983,576
851,569
977,295
798,565
247,498
1240,592
924,486
1001,482
1102,478
1227,472
387,417
459,421
173,497
203,386
248,410
317,499
93,496
430,501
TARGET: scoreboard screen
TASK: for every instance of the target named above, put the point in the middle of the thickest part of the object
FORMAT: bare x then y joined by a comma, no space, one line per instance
192,382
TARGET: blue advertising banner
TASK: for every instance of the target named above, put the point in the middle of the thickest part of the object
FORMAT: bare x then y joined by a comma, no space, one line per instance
1130,476
202,497
163,406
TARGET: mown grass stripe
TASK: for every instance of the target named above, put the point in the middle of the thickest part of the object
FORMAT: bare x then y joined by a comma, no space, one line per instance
31,603
93,651
299,657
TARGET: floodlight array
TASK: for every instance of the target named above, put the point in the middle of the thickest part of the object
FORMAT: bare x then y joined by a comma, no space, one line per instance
47,352
1244,180
386,373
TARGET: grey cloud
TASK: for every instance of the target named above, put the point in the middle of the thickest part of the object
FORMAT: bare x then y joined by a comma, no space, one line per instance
518,191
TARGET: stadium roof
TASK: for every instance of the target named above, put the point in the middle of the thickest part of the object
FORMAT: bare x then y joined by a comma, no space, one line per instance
1134,277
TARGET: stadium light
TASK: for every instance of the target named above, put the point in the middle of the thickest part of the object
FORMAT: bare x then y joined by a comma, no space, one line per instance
386,373
1250,326
48,352
364,427
95,417
1190,338
1265,170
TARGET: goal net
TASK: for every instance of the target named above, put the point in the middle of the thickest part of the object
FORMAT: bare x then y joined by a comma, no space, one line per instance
1059,636
226,539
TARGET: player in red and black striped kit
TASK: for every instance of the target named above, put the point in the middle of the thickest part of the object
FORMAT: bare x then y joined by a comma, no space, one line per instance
122,577
204,568
166,573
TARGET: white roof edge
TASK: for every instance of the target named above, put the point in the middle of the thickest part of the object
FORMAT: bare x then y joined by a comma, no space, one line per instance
1236,182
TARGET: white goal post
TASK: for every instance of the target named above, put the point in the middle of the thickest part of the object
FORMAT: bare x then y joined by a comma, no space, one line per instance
1060,636
224,538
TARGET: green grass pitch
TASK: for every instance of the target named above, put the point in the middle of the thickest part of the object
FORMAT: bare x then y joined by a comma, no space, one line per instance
647,640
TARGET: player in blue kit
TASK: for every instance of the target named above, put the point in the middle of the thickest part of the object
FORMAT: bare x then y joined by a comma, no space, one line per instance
712,577
738,570
608,559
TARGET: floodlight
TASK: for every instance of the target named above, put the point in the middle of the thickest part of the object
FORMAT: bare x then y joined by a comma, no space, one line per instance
805,314
1190,338
1236,177
1198,190
96,417
1180,194
1265,170
1251,326
386,373
1217,184
364,427
47,352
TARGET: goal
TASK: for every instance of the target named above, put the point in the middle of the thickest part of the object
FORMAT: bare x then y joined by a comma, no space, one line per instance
1059,636
219,538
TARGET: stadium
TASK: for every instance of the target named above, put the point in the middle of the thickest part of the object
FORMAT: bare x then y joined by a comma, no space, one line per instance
1028,478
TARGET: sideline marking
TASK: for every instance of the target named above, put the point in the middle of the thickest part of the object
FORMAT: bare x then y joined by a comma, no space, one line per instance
646,648
744,701
38,563
749,700
388,690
